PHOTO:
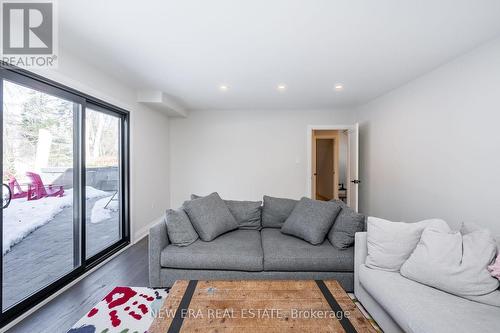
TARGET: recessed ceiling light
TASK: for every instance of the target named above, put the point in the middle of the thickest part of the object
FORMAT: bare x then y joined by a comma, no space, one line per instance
281,87
339,87
223,87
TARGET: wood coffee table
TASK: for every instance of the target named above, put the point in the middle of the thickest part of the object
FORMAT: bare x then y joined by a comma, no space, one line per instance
259,306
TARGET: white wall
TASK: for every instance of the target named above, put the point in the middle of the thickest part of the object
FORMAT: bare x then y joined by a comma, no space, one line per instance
243,154
432,147
149,137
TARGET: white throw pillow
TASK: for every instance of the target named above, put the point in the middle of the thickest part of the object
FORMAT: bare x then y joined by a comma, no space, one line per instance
391,243
456,263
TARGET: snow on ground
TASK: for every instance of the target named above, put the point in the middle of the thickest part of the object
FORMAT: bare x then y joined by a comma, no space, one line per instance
23,217
100,213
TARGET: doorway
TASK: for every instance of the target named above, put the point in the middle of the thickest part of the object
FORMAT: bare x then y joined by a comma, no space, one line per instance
325,165
333,163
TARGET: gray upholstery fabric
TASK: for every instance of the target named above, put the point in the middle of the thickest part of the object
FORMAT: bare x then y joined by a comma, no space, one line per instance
310,220
236,250
383,319
288,253
420,309
170,275
246,213
179,228
210,216
345,226
158,240
275,211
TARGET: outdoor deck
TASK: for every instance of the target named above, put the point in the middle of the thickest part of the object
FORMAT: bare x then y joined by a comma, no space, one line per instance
47,253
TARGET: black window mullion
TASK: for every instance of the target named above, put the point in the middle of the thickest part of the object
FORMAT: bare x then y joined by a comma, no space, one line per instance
125,180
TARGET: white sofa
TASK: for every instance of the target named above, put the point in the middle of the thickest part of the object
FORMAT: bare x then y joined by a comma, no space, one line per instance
398,304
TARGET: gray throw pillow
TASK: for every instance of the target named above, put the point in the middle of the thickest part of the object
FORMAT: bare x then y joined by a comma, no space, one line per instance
275,211
347,223
311,220
179,229
246,213
210,216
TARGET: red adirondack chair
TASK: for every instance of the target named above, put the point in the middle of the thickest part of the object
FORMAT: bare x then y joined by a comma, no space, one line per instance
15,189
37,190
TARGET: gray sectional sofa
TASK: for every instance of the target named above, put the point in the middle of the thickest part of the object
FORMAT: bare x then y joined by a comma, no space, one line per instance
266,253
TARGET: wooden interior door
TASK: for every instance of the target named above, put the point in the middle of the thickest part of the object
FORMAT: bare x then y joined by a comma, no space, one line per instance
324,168
325,164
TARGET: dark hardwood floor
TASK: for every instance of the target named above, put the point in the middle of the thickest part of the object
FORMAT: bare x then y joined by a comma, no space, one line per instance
130,268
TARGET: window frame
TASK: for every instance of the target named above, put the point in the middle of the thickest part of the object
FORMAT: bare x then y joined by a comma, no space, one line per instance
81,263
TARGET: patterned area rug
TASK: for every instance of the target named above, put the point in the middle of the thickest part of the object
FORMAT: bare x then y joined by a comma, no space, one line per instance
123,310
133,309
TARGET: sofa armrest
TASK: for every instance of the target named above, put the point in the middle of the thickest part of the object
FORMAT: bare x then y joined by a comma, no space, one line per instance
360,253
158,240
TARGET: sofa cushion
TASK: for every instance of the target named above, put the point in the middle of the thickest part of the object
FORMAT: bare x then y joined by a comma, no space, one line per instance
418,308
210,216
456,263
390,244
275,211
287,253
310,220
239,250
246,213
179,228
345,226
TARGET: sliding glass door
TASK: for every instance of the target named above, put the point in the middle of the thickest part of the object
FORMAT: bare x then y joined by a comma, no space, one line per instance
39,162
102,147
64,172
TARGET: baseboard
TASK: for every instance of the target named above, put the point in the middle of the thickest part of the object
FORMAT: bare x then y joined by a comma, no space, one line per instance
144,231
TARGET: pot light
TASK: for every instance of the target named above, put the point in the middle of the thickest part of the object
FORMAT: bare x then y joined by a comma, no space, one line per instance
339,87
223,87
281,87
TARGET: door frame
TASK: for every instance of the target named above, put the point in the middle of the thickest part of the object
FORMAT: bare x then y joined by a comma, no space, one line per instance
309,138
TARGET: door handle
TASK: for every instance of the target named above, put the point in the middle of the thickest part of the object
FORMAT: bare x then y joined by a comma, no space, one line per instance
356,181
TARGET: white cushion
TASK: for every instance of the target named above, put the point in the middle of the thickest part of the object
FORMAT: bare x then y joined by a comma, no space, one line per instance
456,263
391,243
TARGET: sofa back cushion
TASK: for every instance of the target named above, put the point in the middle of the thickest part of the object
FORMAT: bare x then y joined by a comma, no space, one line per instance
247,213
310,220
390,244
275,211
210,216
455,262
346,225
180,231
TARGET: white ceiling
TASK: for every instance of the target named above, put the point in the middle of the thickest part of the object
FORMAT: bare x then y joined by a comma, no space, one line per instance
188,48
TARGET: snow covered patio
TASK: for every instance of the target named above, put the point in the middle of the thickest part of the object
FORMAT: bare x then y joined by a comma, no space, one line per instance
39,245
